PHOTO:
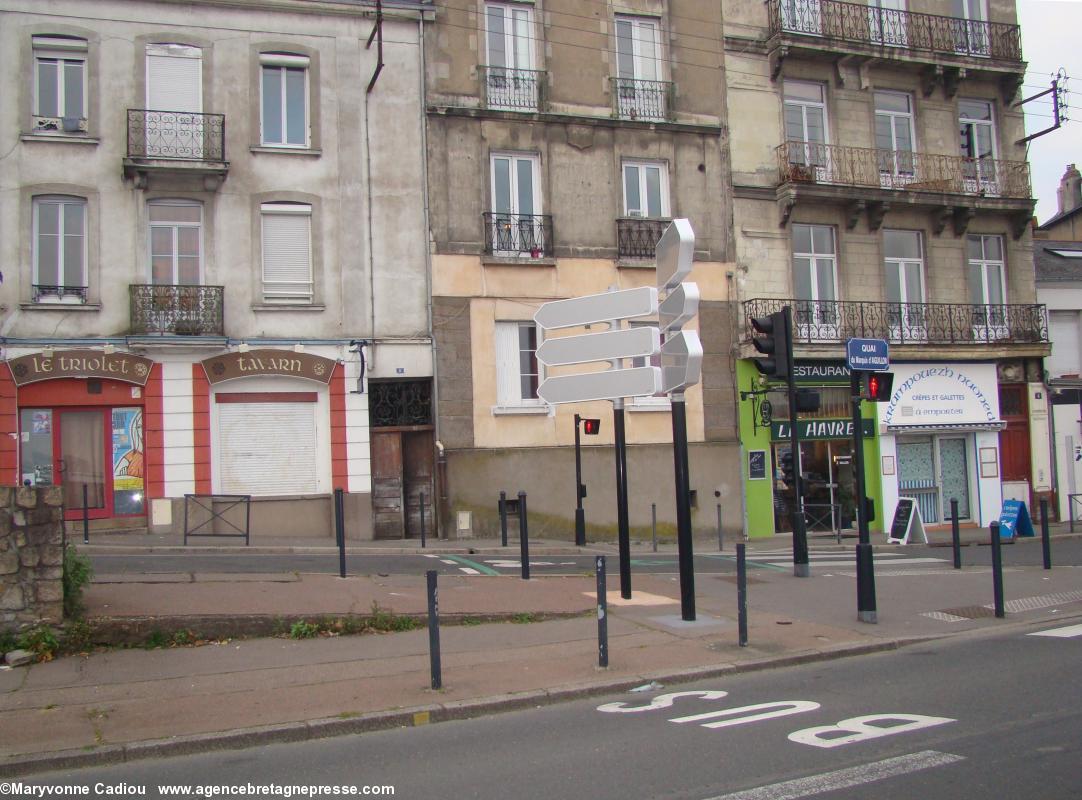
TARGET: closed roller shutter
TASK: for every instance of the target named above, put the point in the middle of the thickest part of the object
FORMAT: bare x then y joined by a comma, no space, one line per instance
267,448
174,75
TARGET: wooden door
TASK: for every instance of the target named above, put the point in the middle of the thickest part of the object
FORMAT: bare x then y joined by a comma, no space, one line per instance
417,472
388,508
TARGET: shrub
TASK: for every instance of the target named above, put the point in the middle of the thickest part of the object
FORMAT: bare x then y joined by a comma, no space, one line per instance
41,641
303,630
77,574
78,637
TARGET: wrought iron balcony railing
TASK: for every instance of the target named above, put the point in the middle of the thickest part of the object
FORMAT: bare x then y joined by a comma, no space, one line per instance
518,235
804,162
176,135
513,89
646,100
835,321
865,24
41,293
183,310
636,237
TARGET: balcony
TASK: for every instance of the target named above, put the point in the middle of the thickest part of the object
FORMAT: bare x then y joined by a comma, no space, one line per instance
952,185
918,324
508,89
636,237
178,310
949,44
175,143
518,235
649,101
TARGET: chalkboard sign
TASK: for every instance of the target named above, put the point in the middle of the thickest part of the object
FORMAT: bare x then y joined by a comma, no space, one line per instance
906,522
756,465
1014,520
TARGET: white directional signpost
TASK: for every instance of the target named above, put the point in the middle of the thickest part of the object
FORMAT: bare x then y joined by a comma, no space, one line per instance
681,365
616,383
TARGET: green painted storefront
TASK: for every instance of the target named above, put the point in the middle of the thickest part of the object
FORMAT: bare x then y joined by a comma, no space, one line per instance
825,442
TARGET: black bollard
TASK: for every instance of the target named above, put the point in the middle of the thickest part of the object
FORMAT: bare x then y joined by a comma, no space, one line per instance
423,541
997,571
602,614
434,631
503,519
523,537
742,594
340,530
653,523
721,541
86,518
1046,541
866,607
956,539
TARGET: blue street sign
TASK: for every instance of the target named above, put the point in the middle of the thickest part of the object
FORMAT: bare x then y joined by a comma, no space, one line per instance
869,355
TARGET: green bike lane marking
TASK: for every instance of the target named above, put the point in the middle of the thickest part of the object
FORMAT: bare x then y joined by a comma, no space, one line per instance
483,569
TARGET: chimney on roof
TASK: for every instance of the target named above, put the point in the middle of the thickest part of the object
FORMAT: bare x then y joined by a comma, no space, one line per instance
1070,190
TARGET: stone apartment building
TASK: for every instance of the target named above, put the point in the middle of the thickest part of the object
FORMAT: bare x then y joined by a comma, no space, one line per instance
562,138
882,193
215,279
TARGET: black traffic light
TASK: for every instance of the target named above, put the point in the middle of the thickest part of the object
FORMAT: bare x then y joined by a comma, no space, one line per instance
876,386
591,427
772,340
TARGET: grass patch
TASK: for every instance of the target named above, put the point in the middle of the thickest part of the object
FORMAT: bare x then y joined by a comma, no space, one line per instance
303,630
76,575
523,618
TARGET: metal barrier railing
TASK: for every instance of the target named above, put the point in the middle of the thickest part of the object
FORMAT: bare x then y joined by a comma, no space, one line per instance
1074,509
213,507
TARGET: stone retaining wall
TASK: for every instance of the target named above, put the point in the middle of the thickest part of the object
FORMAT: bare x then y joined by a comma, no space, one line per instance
31,556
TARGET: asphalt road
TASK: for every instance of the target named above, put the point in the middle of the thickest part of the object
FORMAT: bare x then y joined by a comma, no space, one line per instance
1067,551
979,716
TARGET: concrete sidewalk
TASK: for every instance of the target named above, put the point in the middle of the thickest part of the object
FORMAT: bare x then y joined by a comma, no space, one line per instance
125,704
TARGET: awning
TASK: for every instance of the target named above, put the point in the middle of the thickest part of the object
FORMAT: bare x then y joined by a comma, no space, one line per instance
996,425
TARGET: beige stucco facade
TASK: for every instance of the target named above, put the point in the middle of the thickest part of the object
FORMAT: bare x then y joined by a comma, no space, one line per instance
579,139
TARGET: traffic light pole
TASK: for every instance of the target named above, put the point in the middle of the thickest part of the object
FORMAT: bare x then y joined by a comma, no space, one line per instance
580,514
866,611
683,507
623,531
800,533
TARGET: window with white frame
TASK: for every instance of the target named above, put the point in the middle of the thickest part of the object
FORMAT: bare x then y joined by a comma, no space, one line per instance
903,258
510,81
646,189
60,84
894,133
661,399
977,129
176,242
1065,332
59,244
518,372
806,129
639,91
284,117
287,252
815,269
987,282
517,225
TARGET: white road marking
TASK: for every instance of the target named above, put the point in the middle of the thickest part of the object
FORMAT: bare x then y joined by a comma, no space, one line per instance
429,555
448,561
846,778
1060,633
469,570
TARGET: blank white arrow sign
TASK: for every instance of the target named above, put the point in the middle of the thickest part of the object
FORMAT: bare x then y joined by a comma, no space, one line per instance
681,361
679,307
641,302
604,346
612,384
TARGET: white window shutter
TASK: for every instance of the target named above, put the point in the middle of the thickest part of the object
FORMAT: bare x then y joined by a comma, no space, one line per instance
174,83
267,448
287,256
508,380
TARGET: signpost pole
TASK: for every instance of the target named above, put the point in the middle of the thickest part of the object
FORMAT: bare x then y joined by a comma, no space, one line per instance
683,507
866,611
580,514
623,531
800,533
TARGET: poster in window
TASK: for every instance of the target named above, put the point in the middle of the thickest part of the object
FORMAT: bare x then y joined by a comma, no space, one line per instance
127,452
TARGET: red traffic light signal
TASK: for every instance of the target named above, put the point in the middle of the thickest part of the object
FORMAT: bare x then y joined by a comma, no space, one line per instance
591,427
877,386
